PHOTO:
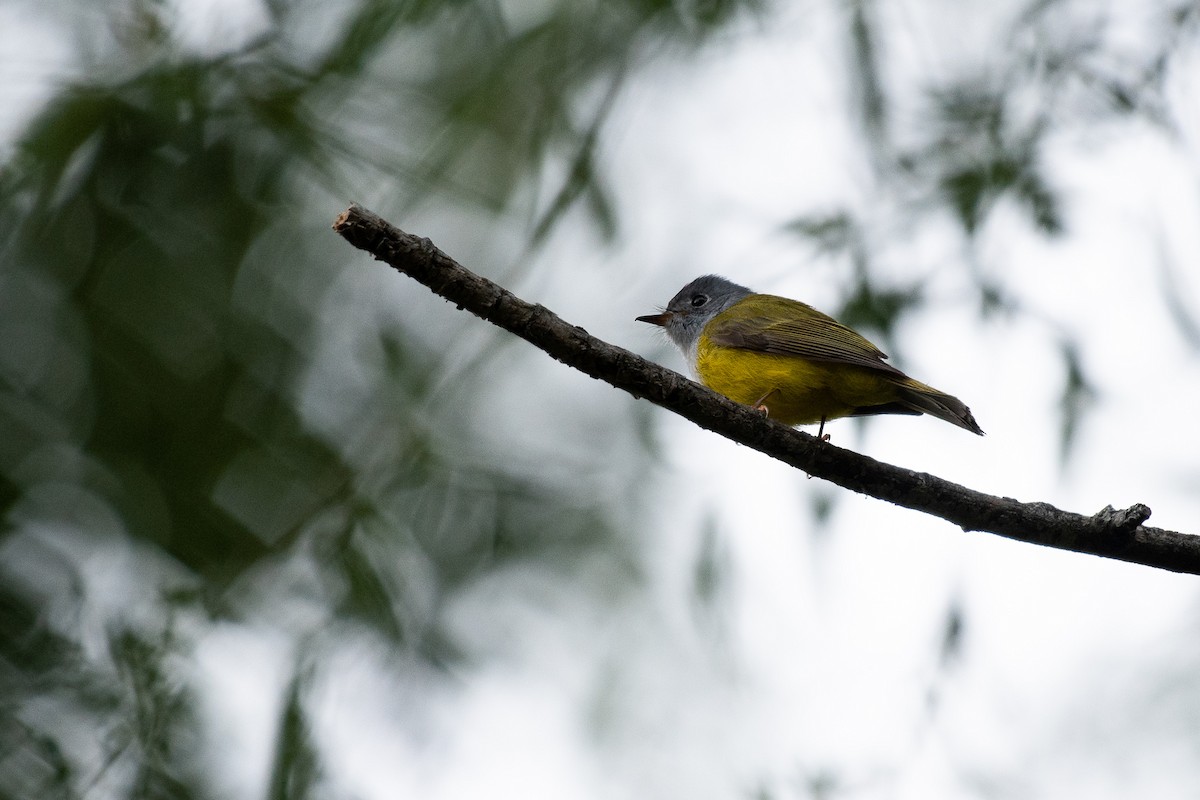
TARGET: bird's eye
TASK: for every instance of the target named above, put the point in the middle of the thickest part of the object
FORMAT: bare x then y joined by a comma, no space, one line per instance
699,300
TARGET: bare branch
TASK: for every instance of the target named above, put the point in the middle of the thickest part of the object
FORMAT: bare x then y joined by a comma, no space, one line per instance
1110,533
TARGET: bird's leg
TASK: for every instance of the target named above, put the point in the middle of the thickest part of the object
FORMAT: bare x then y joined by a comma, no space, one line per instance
822,436
758,404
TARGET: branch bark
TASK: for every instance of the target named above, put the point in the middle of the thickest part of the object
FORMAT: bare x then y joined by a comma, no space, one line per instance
1111,533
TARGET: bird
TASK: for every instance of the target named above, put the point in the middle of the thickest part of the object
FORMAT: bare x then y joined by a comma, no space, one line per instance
794,363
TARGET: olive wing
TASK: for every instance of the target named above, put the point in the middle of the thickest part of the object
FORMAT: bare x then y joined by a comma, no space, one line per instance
788,327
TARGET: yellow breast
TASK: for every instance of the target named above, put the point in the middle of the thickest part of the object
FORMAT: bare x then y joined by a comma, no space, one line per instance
797,391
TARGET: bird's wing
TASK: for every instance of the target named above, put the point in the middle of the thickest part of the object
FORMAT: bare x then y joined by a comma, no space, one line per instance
789,327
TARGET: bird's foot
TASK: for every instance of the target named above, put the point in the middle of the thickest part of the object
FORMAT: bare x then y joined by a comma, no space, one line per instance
760,405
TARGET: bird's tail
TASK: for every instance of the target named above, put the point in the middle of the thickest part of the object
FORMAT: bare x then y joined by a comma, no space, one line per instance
927,400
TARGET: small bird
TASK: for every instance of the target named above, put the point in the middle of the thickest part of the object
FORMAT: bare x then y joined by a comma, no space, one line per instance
790,361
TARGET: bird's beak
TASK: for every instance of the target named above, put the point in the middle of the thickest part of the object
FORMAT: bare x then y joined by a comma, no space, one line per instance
656,319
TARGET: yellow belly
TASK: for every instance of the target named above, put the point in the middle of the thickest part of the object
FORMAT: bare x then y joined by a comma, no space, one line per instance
800,391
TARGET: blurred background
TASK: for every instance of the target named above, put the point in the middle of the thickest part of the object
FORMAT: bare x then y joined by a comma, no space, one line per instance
278,522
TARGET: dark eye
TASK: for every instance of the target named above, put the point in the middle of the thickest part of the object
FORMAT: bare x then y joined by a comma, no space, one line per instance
699,300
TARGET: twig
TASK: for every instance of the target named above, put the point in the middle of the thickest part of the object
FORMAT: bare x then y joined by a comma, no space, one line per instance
1110,533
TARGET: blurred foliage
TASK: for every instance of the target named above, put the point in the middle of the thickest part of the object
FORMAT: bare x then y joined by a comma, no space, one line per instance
1187,320
296,771
165,263
164,270
981,144
1077,394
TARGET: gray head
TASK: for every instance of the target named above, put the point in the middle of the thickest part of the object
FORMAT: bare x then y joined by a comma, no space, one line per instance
692,308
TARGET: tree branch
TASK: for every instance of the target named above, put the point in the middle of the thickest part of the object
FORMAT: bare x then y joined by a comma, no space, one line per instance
1112,533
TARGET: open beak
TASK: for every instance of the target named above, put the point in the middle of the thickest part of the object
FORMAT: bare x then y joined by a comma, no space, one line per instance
655,319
